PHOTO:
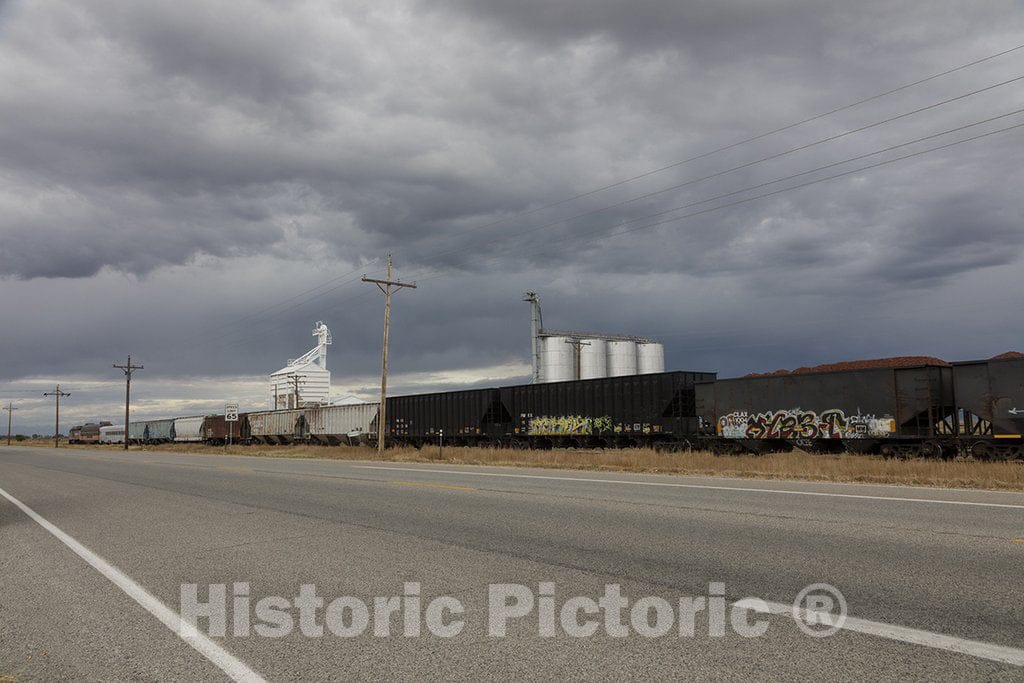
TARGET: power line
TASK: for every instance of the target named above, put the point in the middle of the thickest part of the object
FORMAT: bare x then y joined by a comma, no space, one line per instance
246,338
704,155
229,336
436,256
712,332
813,182
754,138
310,290
299,296
581,238
226,333
252,339
241,337
778,156
19,391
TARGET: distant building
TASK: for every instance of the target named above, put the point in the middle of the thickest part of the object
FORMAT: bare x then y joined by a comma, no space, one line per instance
308,373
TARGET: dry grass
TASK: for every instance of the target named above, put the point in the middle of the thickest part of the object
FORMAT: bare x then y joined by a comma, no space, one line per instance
795,465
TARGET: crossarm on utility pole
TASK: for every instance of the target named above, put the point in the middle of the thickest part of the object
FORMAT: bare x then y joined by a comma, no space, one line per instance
10,413
385,286
57,393
296,380
577,349
128,369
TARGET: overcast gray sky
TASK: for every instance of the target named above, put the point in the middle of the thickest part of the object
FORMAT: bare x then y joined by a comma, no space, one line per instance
172,169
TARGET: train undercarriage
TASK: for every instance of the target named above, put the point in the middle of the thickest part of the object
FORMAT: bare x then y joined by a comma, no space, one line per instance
932,448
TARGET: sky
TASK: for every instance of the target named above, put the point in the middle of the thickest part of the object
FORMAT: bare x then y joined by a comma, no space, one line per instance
196,184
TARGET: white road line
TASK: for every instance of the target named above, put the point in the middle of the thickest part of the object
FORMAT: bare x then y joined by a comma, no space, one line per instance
938,641
695,486
221,658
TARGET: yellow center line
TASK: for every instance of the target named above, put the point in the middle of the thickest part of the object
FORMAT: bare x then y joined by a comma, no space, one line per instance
1017,540
435,486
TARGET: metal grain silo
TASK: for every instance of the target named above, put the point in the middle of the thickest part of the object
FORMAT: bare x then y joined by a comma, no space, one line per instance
650,358
621,358
593,359
557,360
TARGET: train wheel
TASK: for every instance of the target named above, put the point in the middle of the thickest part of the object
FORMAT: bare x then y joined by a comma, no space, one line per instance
683,446
983,450
726,448
930,449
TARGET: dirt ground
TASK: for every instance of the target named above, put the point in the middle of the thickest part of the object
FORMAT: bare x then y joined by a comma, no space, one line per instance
795,465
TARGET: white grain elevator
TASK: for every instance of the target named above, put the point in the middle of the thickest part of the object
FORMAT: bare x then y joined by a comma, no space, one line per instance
304,380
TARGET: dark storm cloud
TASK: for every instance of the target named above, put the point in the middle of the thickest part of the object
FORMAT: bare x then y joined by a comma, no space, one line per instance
703,29
952,235
170,168
295,113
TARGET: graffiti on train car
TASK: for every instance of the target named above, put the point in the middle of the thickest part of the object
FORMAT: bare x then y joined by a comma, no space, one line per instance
569,424
804,424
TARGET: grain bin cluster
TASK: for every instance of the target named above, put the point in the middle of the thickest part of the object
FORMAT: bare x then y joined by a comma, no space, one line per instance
563,356
566,357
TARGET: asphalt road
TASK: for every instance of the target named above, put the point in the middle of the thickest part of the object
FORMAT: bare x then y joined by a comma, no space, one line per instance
933,578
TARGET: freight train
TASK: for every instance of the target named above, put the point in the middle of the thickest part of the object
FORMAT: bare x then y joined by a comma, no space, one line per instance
898,408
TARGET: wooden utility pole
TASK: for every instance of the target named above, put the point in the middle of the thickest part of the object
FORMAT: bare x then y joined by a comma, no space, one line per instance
56,428
294,379
10,412
127,393
385,286
577,353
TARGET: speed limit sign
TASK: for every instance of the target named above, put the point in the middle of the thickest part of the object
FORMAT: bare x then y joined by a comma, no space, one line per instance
231,412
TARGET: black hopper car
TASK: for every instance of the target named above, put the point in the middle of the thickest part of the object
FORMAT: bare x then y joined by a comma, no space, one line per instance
637,410
940,410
